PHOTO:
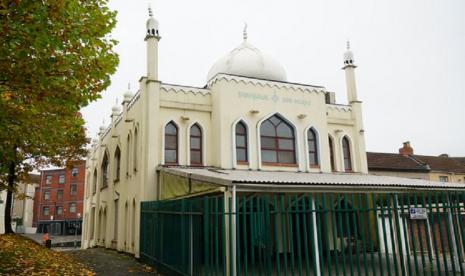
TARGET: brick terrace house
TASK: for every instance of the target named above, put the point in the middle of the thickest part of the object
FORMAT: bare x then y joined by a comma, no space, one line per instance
406,163
442,168
58,200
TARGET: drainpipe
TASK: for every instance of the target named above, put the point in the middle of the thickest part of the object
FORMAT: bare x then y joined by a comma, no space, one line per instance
233,232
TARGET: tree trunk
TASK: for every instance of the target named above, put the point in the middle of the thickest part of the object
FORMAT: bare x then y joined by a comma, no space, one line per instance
9,196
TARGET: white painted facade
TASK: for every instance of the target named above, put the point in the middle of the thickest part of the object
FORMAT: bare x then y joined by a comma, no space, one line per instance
251,91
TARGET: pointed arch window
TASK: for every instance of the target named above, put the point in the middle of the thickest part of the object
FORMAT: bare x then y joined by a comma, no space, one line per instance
105,165
331,154
312,148
195,145
136,141
171,143
94,182
241,143
128,154
277,141
347,154
117,164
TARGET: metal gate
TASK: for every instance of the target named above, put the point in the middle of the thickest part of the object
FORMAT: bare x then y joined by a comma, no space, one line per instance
307,234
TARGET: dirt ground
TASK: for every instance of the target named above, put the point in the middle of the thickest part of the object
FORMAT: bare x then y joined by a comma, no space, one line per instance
109,262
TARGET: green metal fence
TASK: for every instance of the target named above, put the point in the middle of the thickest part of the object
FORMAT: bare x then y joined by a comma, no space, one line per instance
307,234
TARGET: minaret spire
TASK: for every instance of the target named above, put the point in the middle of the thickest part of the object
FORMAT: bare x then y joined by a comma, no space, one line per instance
152,37
349,68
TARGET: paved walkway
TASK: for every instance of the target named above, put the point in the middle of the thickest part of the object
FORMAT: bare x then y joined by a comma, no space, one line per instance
55,239
109,262
101,261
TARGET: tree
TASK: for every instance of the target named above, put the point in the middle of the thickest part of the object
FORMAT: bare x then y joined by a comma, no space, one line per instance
56,56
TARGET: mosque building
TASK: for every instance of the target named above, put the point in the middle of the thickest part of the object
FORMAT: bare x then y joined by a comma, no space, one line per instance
250,129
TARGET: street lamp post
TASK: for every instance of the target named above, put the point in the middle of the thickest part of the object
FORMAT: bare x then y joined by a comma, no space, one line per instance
76,229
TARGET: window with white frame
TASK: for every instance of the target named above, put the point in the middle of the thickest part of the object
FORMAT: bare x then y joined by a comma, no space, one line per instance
171,143
347,154
241,143
117,164
46,195
196,145
45,211
74,172
72,207
61,179
105,169
59,210
277,141
312,148
59,194
48,179
73,189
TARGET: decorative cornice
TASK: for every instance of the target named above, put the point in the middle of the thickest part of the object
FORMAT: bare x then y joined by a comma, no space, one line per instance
338,107
268,83
185,89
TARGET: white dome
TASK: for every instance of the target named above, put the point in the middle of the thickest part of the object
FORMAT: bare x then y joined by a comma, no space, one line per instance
115,109
127,95
152,25
348,56
248,61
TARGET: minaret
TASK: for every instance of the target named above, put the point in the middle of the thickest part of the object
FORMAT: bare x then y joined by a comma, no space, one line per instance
361,164
152,37
349,68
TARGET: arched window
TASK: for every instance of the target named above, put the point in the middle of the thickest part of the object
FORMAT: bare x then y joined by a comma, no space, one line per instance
312,148
331,154
277,141
117,163
135,150
171,143
105,165
94,182
241,143
347,155
196,145
128,154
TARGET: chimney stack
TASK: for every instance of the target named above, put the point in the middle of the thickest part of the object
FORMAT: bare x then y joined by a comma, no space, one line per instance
406,149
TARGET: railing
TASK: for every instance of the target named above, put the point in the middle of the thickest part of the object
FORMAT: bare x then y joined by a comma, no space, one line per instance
307,234
107,130
119,118
134,100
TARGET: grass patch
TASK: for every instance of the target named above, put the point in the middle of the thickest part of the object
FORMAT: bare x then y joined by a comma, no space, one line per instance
22,256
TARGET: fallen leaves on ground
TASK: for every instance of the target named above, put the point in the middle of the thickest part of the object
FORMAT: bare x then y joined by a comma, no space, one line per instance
22,256
147,268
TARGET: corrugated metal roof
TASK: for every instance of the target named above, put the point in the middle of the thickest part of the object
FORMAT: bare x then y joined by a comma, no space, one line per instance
270,178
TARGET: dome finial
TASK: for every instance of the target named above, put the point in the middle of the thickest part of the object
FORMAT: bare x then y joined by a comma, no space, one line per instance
348,44
129,85
244,33
150,10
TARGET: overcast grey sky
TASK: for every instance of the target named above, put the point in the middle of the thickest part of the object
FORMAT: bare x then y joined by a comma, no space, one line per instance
410,57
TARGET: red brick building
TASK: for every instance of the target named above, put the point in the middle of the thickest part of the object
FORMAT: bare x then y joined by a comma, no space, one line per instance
58,200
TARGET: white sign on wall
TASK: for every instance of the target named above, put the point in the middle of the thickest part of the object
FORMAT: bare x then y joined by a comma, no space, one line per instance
418,213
